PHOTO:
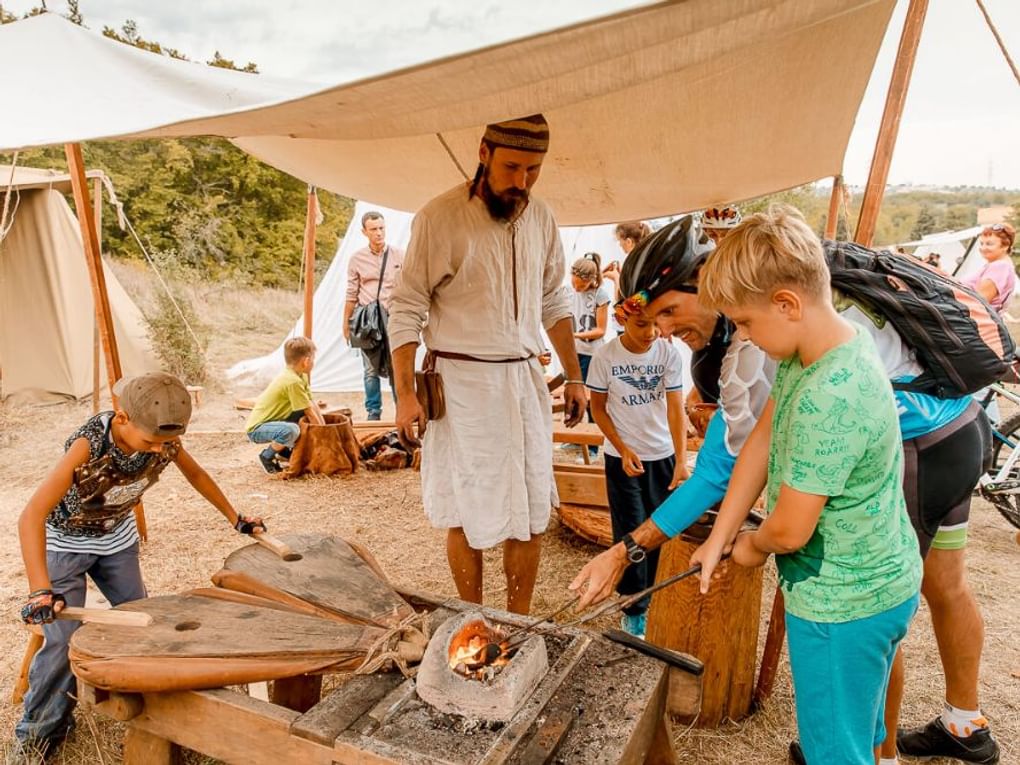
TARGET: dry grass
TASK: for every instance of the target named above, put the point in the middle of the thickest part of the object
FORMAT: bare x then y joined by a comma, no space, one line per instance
383,511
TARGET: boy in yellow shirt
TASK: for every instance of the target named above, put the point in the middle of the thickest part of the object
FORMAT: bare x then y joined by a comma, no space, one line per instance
279,408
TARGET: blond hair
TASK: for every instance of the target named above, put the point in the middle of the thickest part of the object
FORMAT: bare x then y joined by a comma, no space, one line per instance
766,252
297,348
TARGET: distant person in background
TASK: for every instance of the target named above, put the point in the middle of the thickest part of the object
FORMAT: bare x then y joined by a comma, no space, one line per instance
996,280
590,307
934,260
717,222
364,272
629,235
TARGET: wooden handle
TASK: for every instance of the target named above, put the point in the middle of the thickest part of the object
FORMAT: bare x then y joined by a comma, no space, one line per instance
106,616
278,547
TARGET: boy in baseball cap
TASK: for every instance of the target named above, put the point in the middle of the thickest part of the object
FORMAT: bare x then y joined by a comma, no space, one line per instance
81,521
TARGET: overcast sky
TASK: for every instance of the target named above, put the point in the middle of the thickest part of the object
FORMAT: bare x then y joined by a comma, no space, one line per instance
961,124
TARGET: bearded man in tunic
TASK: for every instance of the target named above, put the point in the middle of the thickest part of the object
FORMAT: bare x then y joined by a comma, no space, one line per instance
483,275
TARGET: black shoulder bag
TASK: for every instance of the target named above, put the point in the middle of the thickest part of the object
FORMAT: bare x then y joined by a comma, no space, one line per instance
368,322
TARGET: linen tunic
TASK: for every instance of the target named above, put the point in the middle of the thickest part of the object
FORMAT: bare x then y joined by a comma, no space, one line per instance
486,288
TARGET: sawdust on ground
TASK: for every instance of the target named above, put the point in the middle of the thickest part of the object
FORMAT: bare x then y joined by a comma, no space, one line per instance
188,541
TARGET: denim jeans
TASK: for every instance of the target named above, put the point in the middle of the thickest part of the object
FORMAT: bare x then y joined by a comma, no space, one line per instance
50,701
373,391
279,432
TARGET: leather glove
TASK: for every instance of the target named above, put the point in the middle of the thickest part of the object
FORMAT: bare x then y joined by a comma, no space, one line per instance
39,608
248,525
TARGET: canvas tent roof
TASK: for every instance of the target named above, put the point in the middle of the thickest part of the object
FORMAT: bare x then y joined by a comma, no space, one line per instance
47,317
641,105
338,368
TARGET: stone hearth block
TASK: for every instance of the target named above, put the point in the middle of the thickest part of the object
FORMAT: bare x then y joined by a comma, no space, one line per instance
498,699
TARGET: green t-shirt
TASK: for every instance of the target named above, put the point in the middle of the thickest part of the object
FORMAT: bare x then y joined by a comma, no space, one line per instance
289,392
835,433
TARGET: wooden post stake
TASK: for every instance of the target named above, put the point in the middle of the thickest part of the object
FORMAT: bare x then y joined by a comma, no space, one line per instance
97,200
886,142
832,222
309,257
90,241
773,649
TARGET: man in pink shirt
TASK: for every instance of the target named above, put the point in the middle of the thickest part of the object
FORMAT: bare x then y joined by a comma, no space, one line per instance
363,287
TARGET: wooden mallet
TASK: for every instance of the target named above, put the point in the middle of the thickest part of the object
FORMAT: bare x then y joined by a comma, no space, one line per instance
276,546
105,616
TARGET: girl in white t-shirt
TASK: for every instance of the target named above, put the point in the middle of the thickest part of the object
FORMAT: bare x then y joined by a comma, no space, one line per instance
637,399
590,311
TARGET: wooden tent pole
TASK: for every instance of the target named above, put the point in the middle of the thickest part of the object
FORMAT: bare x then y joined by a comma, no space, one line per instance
97,201
309,251
832,222
886,142
90,241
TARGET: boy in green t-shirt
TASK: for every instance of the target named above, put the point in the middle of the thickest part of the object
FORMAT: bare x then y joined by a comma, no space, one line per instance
827,452
288,398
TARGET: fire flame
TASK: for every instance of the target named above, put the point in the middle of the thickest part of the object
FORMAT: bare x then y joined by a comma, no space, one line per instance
467,656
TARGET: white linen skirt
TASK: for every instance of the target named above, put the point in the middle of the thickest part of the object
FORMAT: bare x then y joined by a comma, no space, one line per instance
487,465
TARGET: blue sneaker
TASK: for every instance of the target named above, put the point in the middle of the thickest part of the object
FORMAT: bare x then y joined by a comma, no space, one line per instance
634,624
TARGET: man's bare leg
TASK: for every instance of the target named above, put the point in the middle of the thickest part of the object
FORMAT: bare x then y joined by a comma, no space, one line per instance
956,619
520,564
465,565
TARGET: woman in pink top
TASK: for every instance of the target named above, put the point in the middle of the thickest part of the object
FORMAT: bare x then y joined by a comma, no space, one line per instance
997,278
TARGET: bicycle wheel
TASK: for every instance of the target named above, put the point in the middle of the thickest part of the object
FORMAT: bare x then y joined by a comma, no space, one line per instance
1005,439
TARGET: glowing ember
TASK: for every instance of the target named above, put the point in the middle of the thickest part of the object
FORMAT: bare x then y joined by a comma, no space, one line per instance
468,656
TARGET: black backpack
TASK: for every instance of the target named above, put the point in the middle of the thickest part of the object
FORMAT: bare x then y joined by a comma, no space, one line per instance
960,341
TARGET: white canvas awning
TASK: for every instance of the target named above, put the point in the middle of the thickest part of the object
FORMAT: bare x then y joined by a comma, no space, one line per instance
670,107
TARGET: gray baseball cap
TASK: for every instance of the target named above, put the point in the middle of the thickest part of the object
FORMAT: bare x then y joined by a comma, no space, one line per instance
158,403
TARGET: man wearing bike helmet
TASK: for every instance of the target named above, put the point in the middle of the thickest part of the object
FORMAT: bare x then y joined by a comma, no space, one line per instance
719,221
944,443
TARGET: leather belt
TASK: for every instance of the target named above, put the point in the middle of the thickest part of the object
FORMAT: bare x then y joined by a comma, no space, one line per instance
466,357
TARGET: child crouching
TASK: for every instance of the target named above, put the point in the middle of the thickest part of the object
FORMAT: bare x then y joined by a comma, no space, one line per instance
279,408
80,521
828,454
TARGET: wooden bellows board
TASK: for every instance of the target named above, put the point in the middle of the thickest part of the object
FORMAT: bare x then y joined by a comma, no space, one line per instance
267,619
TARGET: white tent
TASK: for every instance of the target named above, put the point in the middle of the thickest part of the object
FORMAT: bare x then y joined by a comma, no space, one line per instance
956,250
338,367
640,104
47,318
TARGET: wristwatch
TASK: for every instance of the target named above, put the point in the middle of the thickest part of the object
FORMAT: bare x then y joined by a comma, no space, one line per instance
635,552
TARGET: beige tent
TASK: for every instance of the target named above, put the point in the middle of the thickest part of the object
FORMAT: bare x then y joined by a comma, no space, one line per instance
668,107
47,319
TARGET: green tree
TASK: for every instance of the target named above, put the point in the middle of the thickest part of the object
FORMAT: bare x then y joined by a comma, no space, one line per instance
926,223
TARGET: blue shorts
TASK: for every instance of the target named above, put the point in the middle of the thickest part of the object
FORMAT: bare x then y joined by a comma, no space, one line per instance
840,678
285,433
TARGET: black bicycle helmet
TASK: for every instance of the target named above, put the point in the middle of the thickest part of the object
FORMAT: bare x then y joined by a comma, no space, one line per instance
667,260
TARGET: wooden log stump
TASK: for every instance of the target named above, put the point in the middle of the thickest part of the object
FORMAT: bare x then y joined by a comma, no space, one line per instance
720,628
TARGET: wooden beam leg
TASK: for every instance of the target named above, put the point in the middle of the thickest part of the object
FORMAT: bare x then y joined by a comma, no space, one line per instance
35,642
144,748
772,651
299,693
663,751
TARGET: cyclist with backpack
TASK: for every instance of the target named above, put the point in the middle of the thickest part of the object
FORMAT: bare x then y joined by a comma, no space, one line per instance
940,431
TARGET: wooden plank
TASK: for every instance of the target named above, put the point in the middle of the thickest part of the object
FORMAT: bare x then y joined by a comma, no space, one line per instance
585,433
896,97
231,727
118,706
330,575
581,489
97,344
831,223
651,742
144,748
684,697
340,709
720,628
547,739
299,693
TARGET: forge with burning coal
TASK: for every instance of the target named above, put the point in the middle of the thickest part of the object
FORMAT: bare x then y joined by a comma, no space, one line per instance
457,675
